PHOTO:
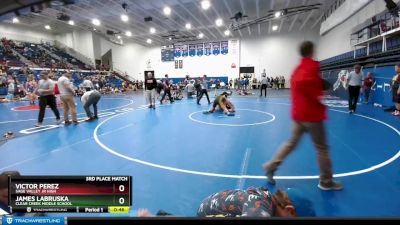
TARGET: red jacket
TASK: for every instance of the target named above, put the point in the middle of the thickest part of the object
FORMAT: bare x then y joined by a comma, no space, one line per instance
307,91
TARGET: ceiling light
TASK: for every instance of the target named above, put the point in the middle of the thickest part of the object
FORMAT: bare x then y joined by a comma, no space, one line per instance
71,22
94,29
119,37
149,41
152,30
205,4
124,18
15,20
278,14
219,22
170,38
275,27
227,32
188,26
47,27
96,22
167,11
128,33
201,35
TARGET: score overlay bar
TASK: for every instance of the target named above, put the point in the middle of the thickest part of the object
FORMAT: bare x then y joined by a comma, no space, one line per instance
89,194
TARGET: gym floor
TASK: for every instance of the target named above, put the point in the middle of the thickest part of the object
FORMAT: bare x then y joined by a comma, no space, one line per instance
178,156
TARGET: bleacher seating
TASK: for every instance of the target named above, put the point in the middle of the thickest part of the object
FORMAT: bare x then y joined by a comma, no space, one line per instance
66,56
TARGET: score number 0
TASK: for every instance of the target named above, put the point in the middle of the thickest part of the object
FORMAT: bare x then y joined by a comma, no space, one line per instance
121,200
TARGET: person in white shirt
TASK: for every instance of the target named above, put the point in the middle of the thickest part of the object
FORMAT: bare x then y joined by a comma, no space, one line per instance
67,94
87,84
190,89
264,83
354,82
91,97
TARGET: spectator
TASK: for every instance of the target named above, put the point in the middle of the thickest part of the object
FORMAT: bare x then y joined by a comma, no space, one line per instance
190,89
256,202
308,114
150,86
264,84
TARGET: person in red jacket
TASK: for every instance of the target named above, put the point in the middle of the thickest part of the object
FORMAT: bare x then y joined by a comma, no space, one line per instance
308,114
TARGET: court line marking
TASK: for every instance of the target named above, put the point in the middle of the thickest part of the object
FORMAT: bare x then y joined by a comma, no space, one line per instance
59,149
235,125
47,118
244,167
193,172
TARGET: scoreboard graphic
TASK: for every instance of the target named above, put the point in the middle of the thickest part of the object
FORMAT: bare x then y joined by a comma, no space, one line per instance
88,194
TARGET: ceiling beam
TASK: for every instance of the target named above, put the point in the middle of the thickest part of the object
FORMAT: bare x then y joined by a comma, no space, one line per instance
196,19
284,19
258,15
231,13
272,4
317,21
296,17
210,21
244,13
306,20
181,27
105,23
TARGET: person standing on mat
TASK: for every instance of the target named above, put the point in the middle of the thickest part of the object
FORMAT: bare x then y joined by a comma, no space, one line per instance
308,114
204,87
367,87
91,97
45,91
67,94
150,86
354,82
264,84
167,90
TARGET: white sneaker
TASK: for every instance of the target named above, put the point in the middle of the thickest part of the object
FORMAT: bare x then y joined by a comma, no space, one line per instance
38,125
58,122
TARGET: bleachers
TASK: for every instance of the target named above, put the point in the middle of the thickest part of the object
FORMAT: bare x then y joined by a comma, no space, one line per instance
66,56
392,43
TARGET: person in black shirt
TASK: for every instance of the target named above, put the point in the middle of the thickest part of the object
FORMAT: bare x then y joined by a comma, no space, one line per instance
150,86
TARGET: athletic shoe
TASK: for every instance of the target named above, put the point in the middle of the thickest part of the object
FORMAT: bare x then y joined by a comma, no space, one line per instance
269,174
38,125
90,119
331,186
75,122
96,117
66,123
58,122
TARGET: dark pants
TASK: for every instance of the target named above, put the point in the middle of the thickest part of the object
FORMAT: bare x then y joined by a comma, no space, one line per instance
93,99
167,92
263,87
44,101
367,92
354,94
200,96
